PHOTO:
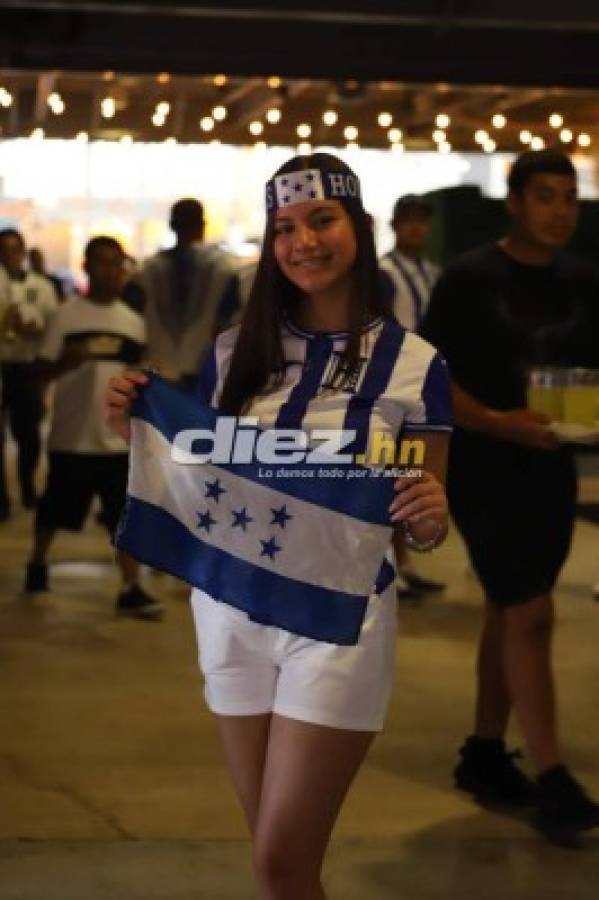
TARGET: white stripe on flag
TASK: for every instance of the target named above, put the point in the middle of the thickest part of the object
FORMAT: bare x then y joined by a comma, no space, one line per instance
319,546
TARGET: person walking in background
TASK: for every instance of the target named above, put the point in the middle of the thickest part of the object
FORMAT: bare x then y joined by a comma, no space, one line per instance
298,707
87,341
407,279
494,313
37,264
33,300
186,295
408,276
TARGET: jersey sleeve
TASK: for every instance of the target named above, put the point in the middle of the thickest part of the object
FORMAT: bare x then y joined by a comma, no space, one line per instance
431,409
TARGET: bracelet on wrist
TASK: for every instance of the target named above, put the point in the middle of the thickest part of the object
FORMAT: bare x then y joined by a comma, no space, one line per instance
423,546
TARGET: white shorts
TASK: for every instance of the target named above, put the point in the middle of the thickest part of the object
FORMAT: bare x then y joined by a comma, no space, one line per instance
252,669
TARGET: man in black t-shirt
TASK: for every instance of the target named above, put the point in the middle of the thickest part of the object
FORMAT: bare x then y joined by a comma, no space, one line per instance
495,313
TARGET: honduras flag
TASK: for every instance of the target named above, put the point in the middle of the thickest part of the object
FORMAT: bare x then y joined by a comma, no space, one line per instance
300,546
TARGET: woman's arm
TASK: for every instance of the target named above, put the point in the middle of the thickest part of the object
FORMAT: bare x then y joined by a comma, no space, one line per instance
420,504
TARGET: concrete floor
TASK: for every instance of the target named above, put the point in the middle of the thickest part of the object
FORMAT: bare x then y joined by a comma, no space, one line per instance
111,780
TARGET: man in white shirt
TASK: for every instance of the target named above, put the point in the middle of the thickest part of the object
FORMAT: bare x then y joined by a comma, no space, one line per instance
31,299
186,295
89,339
408,277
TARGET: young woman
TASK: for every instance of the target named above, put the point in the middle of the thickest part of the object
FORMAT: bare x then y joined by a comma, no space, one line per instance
316,347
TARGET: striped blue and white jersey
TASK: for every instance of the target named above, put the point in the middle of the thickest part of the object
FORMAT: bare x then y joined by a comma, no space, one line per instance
408,285
401,384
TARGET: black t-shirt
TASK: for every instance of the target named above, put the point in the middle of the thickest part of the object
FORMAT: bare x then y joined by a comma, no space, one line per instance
492,318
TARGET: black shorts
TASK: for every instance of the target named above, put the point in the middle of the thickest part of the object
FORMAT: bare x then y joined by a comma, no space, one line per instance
515,509
74,479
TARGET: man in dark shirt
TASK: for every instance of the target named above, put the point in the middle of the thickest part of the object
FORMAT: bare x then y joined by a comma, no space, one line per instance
512,487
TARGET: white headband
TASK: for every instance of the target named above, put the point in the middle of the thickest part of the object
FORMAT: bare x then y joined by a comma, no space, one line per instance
310,184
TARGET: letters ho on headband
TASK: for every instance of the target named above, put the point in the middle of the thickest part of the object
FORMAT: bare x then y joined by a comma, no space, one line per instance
310,184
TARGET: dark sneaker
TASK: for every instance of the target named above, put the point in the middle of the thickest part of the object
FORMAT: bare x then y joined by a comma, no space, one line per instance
489,772
564,808
136,603
36,578
421,584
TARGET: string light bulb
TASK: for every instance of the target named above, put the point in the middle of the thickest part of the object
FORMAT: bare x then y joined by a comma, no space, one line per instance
304,148
439,136
395,135
525,136
6,98
442,120
537,143
566,135
255,128
219,113
384,119
330,117
108,107
219,80
499,120
584,139
555,120
273,116
56,103
480,136
304,130
350,133
207,123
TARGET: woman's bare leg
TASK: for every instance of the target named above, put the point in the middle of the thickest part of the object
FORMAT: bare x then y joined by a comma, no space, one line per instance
244,740
308,771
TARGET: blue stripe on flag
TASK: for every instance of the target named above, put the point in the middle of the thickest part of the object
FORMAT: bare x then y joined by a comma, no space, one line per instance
378,373
170,410
385,577
267,597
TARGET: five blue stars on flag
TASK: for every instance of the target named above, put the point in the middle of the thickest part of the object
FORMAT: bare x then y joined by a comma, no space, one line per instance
241,518
214,490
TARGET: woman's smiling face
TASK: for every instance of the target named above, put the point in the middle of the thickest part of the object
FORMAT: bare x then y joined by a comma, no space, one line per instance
315,245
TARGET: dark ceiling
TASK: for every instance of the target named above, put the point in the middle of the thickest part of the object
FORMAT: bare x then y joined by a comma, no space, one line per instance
466,58
458,41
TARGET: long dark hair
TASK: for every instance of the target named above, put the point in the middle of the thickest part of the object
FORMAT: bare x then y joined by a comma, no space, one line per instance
258,352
